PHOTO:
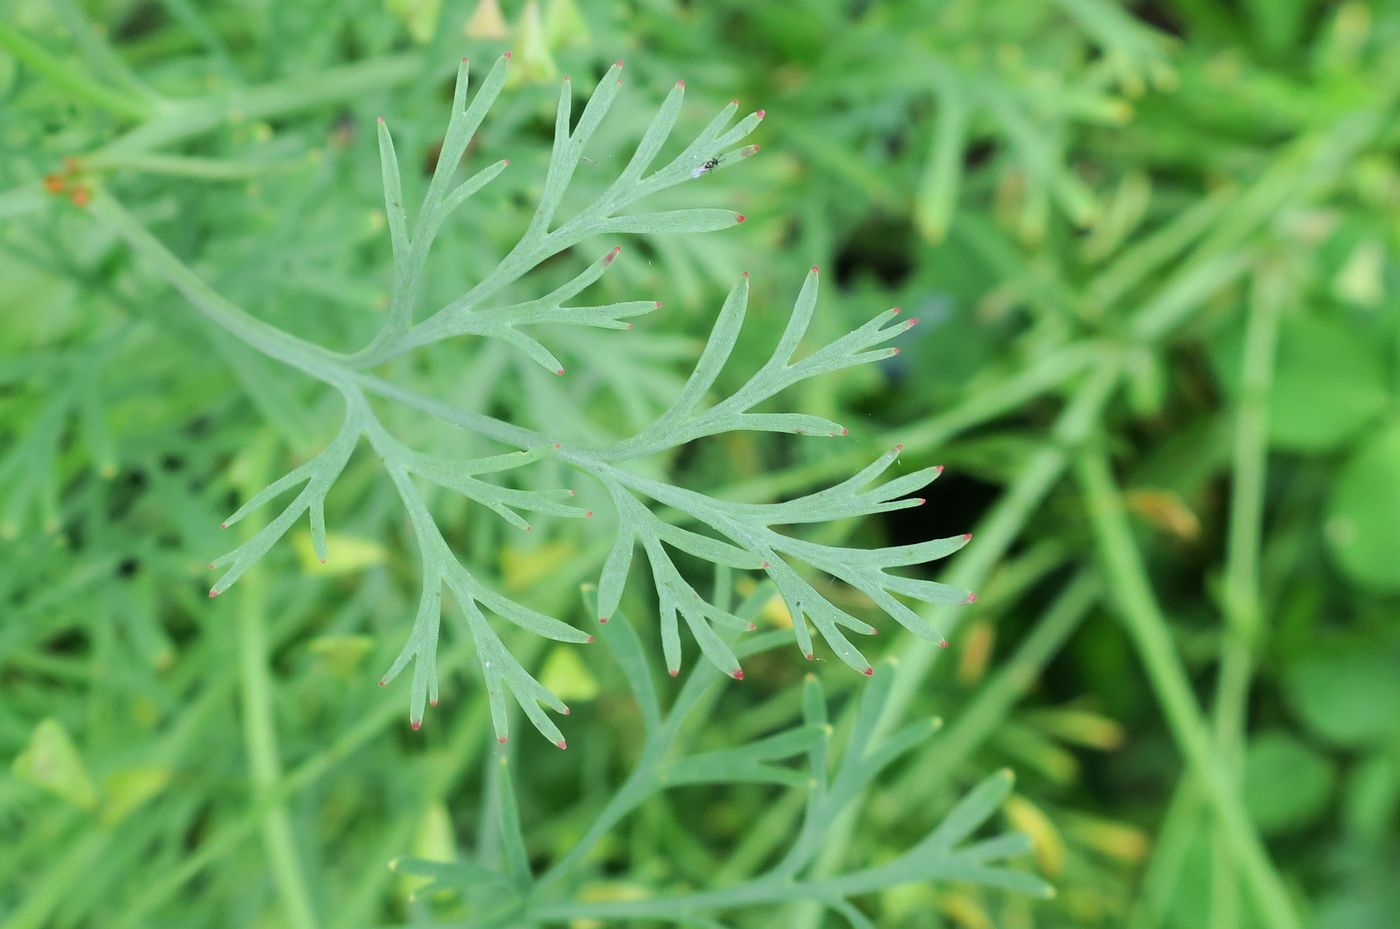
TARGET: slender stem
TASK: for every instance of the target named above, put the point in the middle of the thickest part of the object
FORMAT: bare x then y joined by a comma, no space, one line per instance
1241,606
982,715
70,77
1147,626
264,759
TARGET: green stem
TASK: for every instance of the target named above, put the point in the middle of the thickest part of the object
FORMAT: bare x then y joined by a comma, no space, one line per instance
69,77
1148,629
994,701
1241,606
264,760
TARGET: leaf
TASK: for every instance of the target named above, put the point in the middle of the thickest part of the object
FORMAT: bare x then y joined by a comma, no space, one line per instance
1363,514
51,762
1347,697
1287,786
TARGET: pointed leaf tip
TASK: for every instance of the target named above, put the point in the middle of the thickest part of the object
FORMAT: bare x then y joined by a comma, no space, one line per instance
680,83
739,219
416,724
938,468
967,537
869,671
562,745
943,644
674,671
559,372
507,55
432,703
602,620
738,675
588,641
971,598
213,594
761,113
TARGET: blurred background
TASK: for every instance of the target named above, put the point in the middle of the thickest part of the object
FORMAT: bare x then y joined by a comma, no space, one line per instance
1152,247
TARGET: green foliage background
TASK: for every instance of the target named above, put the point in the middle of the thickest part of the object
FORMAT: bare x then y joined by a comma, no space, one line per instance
1152,249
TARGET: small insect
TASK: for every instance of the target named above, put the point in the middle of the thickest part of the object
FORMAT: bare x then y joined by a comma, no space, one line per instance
705,168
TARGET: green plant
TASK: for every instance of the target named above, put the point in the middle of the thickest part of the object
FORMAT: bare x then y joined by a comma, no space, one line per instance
753,542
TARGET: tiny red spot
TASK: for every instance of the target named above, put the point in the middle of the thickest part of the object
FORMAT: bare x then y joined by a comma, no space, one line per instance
734,102
674,671
746,275
845,431
971,598
588,641
938,469
752,627
213,594
738,675
680,83
921,500
81,196
658,305
505,162
379,119
588,513
618,63
432,703
896,310
739,219
761,113
505,55
54,183
815,269
416,724
603,620
556,444
559,372
567,711
810,657
874,631
913,321
502,740
382,683
223,525
967,537
869,671
567,78
894,351
562,745
765,564
899,447
943,644
465,59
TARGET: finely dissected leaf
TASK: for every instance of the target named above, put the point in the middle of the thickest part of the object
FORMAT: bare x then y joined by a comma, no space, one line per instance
729,536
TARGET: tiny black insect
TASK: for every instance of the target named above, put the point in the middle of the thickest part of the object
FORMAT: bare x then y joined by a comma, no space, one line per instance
705,168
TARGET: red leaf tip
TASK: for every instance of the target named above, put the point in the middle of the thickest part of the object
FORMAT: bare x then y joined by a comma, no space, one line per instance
223,525
815,269
556,445
869,671
921,500
588,514
213,593
432,703
752,627
567,712
899,447
505,162
913,321
588,641
746,275
603,620
894,351
766,564
501,739
507,56
618,63
967,537
761,113
739,219
810,657
563,746
943,644
658,305
680,83
674,672
896,310
379,119
559,372
938,468
416,724
971,598
382,683
845,431
738,675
